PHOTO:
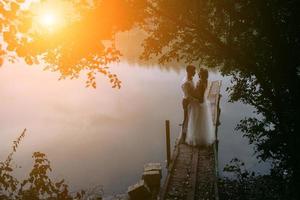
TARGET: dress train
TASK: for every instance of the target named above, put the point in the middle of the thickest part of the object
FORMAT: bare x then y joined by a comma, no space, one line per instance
200,128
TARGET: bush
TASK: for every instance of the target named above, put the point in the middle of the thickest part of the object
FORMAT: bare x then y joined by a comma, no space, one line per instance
247,185
38,185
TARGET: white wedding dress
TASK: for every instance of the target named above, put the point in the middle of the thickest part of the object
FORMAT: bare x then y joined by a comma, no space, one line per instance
200,128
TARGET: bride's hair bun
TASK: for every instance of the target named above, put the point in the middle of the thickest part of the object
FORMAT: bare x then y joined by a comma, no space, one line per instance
190,68
203,73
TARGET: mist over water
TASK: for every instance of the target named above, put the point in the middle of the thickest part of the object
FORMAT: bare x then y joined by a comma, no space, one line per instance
104,136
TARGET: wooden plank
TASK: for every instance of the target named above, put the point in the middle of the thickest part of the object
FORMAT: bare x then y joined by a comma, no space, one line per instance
170,171
180,179
191,193
168,142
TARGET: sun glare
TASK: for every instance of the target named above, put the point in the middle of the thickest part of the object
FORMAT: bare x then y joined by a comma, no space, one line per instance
52,15
48,19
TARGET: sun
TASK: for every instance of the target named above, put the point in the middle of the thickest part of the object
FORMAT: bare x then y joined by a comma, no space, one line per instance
52,15
48,19
53,18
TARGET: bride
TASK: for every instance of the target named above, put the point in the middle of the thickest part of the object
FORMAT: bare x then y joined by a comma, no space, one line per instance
200,128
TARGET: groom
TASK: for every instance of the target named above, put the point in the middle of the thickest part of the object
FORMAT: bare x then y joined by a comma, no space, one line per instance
188,90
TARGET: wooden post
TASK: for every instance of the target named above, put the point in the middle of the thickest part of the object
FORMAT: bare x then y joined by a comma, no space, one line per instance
168,142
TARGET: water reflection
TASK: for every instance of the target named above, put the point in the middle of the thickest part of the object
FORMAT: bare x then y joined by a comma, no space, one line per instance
104,136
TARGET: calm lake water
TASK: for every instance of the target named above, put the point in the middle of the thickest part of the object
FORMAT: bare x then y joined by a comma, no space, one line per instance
104,136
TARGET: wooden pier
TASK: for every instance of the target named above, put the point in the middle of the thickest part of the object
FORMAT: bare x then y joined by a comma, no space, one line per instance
193,171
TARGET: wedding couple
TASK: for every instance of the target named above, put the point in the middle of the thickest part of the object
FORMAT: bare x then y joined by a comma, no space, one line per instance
198,129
